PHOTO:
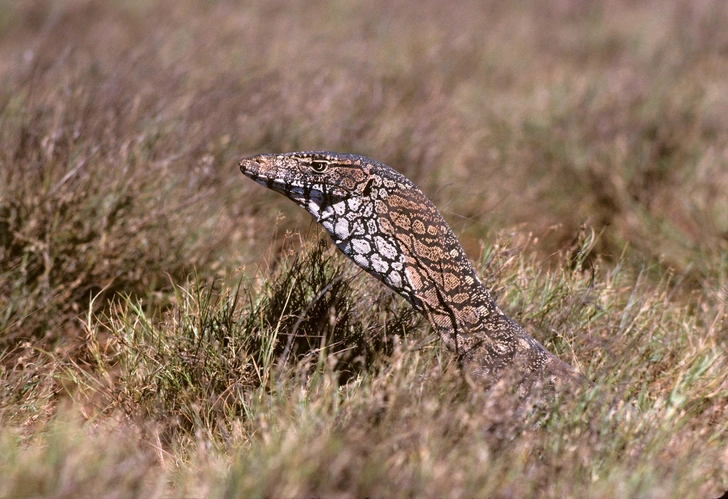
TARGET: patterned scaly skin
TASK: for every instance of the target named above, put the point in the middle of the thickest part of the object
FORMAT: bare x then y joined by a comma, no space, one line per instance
383,222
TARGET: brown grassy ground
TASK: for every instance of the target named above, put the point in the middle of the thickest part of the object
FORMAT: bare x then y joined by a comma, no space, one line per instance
148,290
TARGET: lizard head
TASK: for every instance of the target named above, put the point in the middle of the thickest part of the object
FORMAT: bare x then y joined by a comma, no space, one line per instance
349,196
317,179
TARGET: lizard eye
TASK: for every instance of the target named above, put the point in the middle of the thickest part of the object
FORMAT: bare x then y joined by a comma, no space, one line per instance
319,166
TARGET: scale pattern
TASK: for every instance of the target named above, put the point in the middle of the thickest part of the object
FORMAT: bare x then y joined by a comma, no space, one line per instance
388,227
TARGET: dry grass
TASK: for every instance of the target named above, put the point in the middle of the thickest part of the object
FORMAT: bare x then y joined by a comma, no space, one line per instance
162,332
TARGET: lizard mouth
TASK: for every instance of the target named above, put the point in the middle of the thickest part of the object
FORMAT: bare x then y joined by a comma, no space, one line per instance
262,172
277,178
271,176
252,167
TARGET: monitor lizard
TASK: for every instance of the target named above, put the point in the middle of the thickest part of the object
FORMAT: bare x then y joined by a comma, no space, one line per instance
387,226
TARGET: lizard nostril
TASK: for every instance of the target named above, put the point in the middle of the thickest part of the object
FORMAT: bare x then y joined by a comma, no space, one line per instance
260,161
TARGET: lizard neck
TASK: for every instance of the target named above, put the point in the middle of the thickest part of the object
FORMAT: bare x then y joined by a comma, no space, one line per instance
444,285
450,294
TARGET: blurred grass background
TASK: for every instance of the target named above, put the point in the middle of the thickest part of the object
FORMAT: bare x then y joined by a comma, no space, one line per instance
579,150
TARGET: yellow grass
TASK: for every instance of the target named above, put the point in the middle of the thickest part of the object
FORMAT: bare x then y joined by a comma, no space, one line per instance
168,328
